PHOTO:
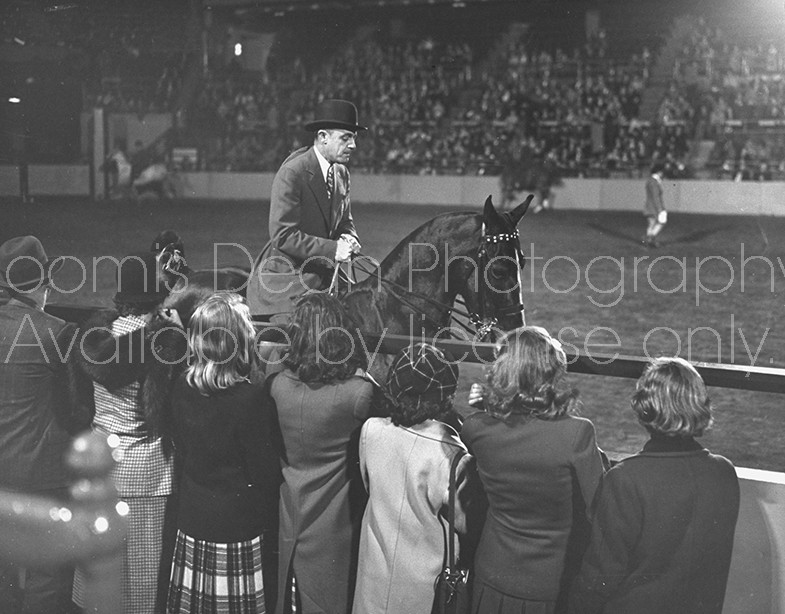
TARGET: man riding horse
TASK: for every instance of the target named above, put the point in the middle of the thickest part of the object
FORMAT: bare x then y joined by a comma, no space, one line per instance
311,226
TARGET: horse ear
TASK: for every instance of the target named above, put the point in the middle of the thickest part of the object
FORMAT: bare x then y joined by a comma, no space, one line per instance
519,211
489,210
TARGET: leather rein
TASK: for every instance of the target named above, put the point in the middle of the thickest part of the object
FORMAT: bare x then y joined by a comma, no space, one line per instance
483,324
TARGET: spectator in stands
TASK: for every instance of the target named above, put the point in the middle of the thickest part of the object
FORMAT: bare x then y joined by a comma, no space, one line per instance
323,398
405,463
654,209
540,467
311,225
38,415
133,370
664,519
223,431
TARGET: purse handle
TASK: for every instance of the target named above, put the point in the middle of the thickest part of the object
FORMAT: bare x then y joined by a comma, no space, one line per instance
451,510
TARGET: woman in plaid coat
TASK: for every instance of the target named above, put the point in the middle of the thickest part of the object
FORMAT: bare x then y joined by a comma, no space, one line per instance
132,369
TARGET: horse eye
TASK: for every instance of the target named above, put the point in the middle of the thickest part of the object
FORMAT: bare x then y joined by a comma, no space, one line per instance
498,271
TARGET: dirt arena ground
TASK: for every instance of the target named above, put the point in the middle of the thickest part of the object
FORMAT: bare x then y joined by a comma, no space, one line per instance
713,291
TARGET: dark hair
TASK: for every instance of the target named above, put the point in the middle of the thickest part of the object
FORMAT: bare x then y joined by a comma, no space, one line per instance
409,410
165,238
324,345
136,309
524,377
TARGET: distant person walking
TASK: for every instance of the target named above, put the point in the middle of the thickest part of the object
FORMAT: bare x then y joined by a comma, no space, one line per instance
654,210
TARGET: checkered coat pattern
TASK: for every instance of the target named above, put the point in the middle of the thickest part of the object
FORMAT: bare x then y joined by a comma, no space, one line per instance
144,469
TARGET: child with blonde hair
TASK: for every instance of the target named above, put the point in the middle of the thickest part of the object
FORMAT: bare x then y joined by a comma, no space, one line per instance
228,467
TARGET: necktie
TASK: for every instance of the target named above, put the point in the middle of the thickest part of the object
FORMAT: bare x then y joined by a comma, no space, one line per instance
330,181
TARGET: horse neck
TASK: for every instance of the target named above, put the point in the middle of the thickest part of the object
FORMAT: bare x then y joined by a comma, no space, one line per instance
420,264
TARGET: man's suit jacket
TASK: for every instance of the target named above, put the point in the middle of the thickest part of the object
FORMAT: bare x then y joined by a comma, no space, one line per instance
304,229
39,412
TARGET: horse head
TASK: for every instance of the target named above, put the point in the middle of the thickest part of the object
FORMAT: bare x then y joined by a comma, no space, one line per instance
493,293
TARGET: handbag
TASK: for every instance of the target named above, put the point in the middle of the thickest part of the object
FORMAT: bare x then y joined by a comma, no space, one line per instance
451,588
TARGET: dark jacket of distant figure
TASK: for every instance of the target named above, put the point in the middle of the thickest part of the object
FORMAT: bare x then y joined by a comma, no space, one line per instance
38,412
304,229
654,201
662,533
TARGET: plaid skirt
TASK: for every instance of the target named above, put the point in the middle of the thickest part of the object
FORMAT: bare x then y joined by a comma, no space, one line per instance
216,578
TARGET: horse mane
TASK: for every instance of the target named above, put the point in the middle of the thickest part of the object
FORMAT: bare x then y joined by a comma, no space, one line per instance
436,231
366,299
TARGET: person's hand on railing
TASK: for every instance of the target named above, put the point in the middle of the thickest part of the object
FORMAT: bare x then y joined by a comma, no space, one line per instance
477,396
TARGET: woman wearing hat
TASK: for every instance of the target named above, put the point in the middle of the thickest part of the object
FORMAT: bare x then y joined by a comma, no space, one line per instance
405,462
540,466
311,225
132,355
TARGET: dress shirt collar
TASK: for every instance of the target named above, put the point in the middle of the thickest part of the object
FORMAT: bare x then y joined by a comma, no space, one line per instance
323,163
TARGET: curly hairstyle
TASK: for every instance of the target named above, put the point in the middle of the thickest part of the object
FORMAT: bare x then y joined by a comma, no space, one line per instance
324,343
408,410
524,377
671,399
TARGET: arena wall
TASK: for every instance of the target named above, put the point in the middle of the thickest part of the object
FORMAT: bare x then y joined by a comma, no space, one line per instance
707,196
757,575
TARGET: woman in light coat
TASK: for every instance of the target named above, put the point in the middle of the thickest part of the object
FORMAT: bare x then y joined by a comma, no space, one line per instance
405,462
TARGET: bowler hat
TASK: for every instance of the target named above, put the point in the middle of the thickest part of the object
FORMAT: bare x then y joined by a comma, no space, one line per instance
24,265
334,113
422,371
138,280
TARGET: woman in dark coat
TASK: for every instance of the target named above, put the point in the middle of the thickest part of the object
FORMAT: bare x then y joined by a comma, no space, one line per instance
322,398
229,473
540,467
664,519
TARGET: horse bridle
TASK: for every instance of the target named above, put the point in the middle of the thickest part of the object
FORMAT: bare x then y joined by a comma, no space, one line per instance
482,323
480,319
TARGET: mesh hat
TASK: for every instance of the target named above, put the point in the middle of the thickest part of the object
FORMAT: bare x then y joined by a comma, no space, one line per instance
24,265
422,371
138,280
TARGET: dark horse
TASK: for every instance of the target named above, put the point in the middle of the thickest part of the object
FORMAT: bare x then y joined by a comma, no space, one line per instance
414,289
476,257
